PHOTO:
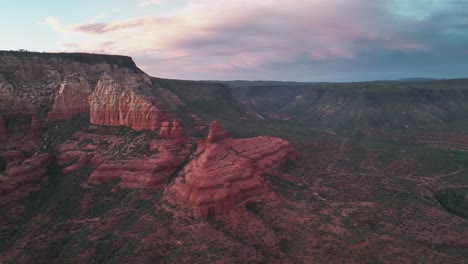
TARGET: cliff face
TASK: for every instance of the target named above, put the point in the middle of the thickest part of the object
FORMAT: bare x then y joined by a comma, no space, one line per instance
29,81
208,99
116,102
71,98
59,86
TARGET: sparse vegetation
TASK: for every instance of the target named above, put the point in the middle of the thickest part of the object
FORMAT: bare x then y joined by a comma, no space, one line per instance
57,132
254,208
360,191
454,201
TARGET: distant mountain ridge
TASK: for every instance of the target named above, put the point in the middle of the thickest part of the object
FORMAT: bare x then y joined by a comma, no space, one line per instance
415,103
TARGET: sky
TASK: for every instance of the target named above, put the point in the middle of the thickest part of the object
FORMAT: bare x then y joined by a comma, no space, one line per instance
308,40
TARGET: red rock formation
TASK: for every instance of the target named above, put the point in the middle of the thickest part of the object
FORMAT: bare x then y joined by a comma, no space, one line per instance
116,102
12,155
176,131
28,82
73,160
173,131
71,98
20,173
148,173
3,131
216,133
81,136
36,128
227,173
165,130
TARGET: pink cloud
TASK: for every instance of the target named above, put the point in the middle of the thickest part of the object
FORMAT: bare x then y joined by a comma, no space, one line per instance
146,3
238,34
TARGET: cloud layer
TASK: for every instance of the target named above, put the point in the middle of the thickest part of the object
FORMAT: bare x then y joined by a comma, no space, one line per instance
265,39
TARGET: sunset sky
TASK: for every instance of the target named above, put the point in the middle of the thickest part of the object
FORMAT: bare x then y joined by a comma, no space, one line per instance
310,40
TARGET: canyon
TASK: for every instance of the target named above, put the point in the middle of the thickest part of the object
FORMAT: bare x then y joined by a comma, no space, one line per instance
102,163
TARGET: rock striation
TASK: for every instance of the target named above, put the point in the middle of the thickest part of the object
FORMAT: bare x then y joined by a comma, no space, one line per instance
165,130
111,89
226,172
116,102
216,133
119,158
152,172
29,80
12,156
173,131
176,130
73,160
19,173
71,98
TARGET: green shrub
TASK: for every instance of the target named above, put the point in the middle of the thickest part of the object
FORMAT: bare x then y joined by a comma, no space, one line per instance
2,164
453,201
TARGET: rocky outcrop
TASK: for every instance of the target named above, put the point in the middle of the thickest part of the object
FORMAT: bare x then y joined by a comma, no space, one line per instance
59,86
111,88
12,156
115,158
151,172
173,131
29,80
116,102
19,173
165,130
226,172
73,160
176,131
3,131
71,98
36,128
216,133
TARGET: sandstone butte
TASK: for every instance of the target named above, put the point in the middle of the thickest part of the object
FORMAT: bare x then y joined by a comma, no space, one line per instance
111,88
28,83
71,98
115,102
225,173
